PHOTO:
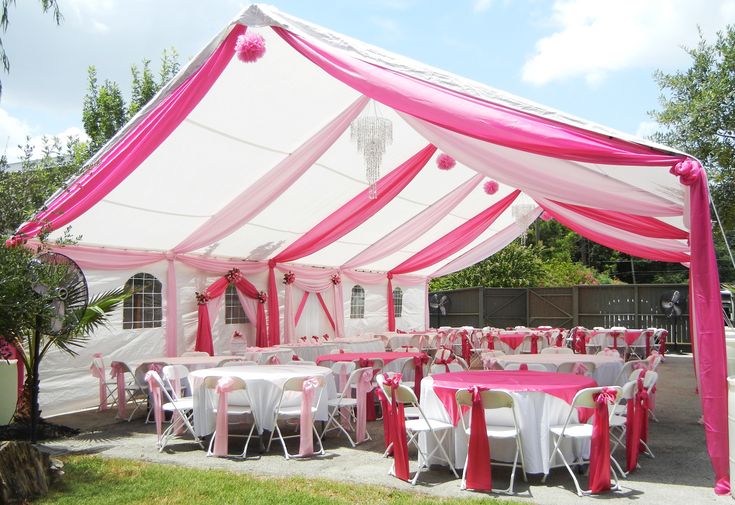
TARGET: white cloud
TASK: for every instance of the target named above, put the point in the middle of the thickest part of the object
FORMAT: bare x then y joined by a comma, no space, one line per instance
15,134
593,38
646,129
481,5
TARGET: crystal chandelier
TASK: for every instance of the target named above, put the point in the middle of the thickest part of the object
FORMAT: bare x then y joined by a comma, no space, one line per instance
519,212
372,133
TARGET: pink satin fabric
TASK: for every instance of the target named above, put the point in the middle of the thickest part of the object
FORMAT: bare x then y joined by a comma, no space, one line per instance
97,369
224,386
118,373
155,390
512,340
363,388
478,475
600,445
306,439
579,369
398,429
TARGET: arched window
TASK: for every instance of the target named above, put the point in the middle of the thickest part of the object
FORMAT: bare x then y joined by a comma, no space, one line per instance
397,302
144,308
234,313
357,303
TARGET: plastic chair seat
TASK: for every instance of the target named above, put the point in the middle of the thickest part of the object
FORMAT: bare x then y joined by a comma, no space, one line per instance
418,425
411,412
181,404
236,410
573,430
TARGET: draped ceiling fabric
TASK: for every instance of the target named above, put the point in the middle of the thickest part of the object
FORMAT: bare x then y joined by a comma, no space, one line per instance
253,165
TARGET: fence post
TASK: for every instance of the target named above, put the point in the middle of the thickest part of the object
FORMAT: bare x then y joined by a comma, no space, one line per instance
637,308
575,306
481,307
528,307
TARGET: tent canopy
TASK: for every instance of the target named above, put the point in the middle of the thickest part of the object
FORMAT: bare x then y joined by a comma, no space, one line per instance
259,162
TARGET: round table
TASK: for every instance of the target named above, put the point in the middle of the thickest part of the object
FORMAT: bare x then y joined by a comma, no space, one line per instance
606,371
264,384
541,399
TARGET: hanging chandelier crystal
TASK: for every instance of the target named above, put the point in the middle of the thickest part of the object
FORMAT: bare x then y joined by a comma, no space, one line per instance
519,212
372,133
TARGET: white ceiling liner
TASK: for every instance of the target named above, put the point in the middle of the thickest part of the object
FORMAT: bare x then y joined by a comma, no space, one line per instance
256,115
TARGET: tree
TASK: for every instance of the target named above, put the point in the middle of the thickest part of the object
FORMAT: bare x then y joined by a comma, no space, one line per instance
46,5
698,116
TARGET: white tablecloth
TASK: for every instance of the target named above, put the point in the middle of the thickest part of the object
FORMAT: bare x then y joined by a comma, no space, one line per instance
309,352
535,411
261,356
264,385
606,371
361,344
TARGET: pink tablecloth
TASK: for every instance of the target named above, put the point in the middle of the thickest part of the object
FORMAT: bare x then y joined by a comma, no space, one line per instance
514,340
632,335
563,386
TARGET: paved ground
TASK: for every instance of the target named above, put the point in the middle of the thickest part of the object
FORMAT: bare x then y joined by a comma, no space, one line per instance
680,474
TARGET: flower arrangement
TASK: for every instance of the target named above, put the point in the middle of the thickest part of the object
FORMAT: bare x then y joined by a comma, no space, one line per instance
289,277
491,187
262,297
202,298
233,275
445,162
336,279
237,334
250,47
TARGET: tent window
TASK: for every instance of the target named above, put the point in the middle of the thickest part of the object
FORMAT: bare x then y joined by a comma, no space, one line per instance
397,302
357,303
234,313
144,308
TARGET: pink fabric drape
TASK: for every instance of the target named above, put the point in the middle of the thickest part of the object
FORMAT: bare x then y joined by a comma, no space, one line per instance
300,310
325,309
97,369
118,373
709,336
225,385
478,475
363,388
415,227
155,389
128,153
306,442
391,307
260,194
397,420
456,239
472,116
600,445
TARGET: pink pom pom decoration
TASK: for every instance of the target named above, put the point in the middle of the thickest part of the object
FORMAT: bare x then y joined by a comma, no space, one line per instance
250,47
491,187
688,171
545,216
445,162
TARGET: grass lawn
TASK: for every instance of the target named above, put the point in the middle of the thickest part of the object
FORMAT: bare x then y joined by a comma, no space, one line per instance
95,480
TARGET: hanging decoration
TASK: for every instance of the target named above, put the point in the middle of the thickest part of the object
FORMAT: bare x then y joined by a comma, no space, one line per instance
519,212
372,133
202,298
445,162
262,297
250,47
336,279
688,171
289,277
491,187
233,275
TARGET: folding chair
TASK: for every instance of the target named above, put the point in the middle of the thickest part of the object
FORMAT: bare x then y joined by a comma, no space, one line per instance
579,431
448,368
239,387
618,425
236,362
575,367
628,368
181,407
136,389
344,400
414,427
97,368
556,350
291,410
492,400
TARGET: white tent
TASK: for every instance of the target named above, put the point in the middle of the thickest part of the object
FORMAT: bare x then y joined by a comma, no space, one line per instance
256,166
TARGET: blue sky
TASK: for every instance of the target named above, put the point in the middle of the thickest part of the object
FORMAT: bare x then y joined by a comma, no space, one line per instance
591,58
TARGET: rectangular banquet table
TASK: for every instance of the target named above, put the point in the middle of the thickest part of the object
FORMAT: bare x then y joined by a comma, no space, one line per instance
541,399
264,384
606,371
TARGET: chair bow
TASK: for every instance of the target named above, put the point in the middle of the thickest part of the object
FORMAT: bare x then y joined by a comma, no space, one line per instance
488,362
306,439
478,475
273,360
445,359
224,386
579,369
523,366
398,429
304,338
600,447
97,369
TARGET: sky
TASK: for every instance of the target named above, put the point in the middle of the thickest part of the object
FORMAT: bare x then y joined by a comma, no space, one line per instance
591,58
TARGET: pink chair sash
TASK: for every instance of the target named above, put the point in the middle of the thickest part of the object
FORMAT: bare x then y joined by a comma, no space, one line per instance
478,475
534,343
387,420
224,386
642,406
274,360
118,373
344,412
579,369
600,446
488,362
466,347
398,429
155,388
523,366
445,361
306,441
363,388
632,435
97,369
419,362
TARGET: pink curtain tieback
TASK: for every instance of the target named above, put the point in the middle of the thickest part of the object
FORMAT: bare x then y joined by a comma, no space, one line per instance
304,338
306,439
398,429
478,474
364,386
224,386
600,446
118,373
97,369
155,388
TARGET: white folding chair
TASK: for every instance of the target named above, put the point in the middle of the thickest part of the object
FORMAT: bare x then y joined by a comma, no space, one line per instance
571,429
618,422
637,349
136,388
493,353
110,385
239,387
628,367
556,350
533,367
649,382
449,368
406,348
180,407
414,427
409,412
293,389
344,400
492,400
574,367
176,378
235,362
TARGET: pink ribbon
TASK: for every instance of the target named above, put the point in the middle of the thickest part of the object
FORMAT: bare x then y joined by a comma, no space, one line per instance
224,386
274,360
579,369
478,475
306,442
600,446
118,372
344,412
363,387
445,361
488,362
397,420
155,388
523,366
97,369
534,343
